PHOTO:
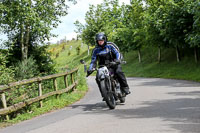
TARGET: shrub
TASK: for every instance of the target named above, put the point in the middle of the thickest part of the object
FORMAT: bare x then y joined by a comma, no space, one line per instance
43,59
26,69
6,73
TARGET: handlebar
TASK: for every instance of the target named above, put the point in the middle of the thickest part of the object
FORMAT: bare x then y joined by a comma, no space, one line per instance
116,63
123,62
113,63
88,74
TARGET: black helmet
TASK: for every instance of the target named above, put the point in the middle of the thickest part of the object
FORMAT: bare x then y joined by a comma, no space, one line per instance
101,36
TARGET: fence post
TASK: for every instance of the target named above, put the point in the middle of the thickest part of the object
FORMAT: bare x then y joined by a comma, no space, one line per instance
72,79
55,85
3,98
66,82
40,92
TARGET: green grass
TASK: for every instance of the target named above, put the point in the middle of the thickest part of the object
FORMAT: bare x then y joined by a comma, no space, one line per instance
186,69
50,105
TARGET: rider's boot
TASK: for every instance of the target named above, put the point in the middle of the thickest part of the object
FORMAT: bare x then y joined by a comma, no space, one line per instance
126,90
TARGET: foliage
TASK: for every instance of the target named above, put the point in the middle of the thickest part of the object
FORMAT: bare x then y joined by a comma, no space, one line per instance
133,34
43,59
30,21
193,37
122,24
26,69
103,18
160,23
174,23
6,73
39,54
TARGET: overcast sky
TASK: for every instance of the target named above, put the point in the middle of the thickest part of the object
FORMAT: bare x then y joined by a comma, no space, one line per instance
75,12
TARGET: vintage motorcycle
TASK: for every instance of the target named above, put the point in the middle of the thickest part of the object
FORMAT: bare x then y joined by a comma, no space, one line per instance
108,84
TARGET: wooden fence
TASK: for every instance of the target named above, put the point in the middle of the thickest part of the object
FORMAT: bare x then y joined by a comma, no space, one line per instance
6,88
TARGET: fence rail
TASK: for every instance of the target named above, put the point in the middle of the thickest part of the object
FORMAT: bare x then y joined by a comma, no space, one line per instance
6,88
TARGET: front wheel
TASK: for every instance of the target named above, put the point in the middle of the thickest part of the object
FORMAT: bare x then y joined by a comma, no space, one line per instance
107,93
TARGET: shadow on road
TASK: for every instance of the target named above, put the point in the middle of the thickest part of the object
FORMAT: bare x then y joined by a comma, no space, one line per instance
98,107
181,113
185,112
91,107
192,93
165,82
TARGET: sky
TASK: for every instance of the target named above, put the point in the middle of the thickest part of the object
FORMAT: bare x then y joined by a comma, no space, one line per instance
75,12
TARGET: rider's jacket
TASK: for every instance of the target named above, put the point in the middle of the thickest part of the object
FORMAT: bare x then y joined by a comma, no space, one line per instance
102,54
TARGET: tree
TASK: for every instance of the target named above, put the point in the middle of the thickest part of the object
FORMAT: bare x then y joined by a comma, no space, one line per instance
132,31
193,37
122,24
29,22
153,33
172,22
101,18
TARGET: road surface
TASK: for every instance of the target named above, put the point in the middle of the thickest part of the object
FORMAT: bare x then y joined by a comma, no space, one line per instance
154,106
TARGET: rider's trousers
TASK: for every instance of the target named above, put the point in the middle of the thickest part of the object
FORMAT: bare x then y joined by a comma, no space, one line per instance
120,76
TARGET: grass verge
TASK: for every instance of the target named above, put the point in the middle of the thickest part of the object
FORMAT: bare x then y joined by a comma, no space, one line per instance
186,69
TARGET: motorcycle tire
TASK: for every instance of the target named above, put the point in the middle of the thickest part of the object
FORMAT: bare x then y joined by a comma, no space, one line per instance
108,96
122,97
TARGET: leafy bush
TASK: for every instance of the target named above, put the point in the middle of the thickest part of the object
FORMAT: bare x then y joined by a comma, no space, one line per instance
26,69
37,52
6,73
43,59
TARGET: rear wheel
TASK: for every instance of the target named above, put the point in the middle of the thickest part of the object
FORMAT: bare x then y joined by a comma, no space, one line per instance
107,93
121,97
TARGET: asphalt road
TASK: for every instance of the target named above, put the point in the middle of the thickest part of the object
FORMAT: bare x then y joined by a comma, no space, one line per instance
154,106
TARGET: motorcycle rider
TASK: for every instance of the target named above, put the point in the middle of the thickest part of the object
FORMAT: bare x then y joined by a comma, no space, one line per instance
107,51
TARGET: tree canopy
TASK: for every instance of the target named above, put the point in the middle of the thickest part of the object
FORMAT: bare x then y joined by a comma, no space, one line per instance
160,23
29,22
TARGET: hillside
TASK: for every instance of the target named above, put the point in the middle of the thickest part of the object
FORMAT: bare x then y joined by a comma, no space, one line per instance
186,69
66,55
